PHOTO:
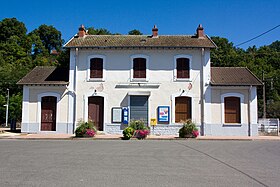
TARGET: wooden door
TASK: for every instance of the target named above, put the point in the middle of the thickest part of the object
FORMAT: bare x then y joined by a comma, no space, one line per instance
96,111
182,109
48,113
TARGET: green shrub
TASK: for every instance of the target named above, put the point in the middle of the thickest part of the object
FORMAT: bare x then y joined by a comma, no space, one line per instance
188,130
85,129
128,133
138,125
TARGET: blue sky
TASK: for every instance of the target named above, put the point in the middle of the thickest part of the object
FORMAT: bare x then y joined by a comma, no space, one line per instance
236,20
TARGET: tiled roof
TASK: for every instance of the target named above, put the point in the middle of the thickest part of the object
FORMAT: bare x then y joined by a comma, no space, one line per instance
233,76
46,75
142,41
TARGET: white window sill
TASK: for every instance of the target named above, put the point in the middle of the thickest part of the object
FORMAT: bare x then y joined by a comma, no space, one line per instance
96,80
232,124
182,80
139,80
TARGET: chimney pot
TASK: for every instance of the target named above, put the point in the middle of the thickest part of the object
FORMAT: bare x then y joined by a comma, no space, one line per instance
155,32
200,31
82,31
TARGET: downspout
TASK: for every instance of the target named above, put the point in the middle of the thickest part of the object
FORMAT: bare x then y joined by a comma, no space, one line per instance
74,88
202,127
249,111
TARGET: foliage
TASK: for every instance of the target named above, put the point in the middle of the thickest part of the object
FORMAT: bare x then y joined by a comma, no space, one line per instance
134,32
128,133
85,129
100,31
50,37
138,125
137,129
188,129
11,27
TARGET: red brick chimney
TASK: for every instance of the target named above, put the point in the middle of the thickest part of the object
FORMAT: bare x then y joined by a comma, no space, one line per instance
155,32
82,31
200,31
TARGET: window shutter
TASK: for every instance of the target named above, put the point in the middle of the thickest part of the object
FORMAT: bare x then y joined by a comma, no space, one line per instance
182,109
139,68
96,68
232,110
183,68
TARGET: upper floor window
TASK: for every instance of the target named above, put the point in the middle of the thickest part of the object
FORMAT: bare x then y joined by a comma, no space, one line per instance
96,68
232,110
182,67
139,68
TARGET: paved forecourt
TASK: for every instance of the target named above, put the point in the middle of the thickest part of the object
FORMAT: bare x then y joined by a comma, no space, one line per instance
139,163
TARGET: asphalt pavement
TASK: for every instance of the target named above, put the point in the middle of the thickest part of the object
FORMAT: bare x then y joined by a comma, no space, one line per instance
139,163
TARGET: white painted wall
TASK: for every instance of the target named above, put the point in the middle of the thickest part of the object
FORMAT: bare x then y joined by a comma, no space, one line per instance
118,71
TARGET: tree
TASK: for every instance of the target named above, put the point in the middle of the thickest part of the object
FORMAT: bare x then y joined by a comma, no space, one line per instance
11,27
134,32
100,31
50,37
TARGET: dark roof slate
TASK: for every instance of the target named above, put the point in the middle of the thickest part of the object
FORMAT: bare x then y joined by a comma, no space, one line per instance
140,41
46,75
233,76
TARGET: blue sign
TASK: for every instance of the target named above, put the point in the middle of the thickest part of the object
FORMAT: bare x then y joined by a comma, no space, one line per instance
163,114
125,115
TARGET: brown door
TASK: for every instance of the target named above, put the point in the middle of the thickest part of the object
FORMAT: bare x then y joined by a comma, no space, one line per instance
48,113
182,109
96,111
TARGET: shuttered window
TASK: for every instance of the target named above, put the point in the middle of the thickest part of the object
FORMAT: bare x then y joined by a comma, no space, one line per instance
232,110
182,109
139,68
183,68
96,68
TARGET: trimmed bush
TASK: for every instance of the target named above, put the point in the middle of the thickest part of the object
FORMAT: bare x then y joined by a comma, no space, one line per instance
128,133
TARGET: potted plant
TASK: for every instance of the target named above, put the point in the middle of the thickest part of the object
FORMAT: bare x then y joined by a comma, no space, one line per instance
85,129
136,129
188,130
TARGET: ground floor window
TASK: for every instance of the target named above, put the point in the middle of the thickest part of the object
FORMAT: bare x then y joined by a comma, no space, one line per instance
232,110
182,109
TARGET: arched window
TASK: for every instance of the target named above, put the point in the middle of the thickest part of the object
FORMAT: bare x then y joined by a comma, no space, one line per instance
232,111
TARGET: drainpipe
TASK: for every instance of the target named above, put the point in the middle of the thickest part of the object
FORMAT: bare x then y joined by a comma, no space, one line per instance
75,88
202,92
249,111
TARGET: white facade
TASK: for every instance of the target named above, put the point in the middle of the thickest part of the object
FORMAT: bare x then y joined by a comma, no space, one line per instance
85,97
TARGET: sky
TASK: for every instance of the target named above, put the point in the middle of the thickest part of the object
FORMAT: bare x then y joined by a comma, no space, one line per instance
236,20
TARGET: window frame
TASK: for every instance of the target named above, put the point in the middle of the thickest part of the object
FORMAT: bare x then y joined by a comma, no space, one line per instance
132,79
89,79
175,78
242,109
